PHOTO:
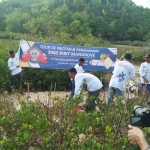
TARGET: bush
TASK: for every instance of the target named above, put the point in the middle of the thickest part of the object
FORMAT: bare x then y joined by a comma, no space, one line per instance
5,74
59,127
4,35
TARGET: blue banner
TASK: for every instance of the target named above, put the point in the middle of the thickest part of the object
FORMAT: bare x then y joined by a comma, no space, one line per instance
57,56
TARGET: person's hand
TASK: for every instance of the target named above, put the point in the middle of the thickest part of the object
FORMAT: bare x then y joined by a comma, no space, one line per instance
17,66
145,80
136,137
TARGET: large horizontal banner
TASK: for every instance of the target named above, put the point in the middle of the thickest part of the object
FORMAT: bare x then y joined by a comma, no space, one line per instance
56,56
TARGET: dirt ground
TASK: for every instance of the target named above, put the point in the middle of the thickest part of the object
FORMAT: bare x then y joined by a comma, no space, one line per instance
45,97
48,97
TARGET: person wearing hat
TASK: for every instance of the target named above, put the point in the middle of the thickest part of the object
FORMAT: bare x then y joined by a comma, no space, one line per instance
123,72
16,71
144,72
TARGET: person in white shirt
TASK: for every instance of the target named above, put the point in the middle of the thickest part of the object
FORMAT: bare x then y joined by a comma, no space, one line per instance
123,71
79,65
16,71
94,86
144,72
79,69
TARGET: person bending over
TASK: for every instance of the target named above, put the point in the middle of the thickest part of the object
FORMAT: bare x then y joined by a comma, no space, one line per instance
94,86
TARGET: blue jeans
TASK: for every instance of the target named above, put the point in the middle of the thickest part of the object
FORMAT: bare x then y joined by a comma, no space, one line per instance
72,90
145,87
113,92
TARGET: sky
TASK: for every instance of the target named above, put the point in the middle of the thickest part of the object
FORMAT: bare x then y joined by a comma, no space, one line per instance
144,3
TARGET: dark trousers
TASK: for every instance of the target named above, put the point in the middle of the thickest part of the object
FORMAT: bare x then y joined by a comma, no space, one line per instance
90,101
16,82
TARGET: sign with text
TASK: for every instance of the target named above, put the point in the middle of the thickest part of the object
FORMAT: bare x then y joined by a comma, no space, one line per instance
57,56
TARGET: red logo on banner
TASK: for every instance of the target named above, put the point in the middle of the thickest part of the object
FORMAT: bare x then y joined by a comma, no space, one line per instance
34,55
42,58
26,56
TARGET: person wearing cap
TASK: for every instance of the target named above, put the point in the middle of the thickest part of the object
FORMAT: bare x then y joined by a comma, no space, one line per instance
16,71
123,72
144,72
94,86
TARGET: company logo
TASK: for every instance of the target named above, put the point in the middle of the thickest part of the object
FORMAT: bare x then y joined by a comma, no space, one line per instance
34,55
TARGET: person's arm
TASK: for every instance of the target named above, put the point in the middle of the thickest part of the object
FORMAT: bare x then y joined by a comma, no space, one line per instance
83,71
78,83
136,137
12,67
132,74
142,73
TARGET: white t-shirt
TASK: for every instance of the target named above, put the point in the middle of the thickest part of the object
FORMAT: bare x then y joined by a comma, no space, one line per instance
145,71
79,69
123,71
93,83
12,63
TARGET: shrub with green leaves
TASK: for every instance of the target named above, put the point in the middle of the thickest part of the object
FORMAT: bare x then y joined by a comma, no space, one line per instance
57,125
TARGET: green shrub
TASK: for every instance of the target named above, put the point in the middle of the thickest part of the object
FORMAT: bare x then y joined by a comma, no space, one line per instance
44,127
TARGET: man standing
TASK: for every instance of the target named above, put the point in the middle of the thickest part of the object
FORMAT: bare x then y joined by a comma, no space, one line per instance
16,71
94,86
123,71
145,73
79,65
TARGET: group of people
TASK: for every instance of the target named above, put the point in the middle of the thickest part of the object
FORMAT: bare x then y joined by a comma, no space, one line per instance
122,73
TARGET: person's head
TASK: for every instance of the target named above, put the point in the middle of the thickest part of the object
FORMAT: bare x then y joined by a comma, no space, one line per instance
147,58
81,61
128,56
72,73
12,54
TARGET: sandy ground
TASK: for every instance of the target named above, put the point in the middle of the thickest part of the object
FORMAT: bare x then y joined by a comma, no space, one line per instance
44,97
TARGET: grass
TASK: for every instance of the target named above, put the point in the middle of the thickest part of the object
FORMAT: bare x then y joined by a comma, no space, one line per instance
8,44
127,48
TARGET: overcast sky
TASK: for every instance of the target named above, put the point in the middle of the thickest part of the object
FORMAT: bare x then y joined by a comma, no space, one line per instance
144,3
